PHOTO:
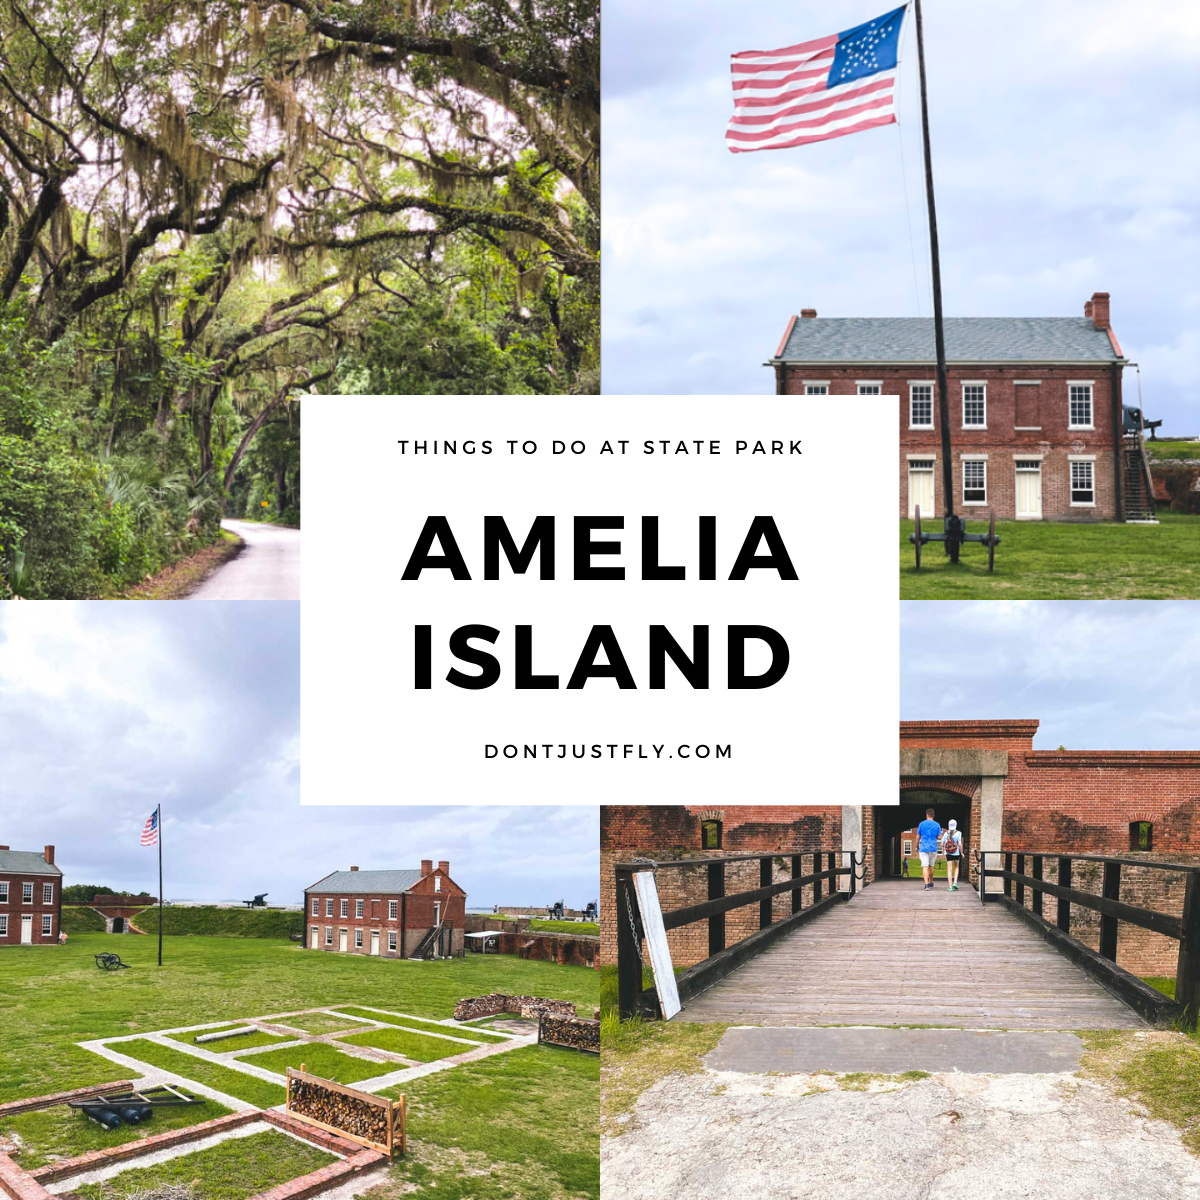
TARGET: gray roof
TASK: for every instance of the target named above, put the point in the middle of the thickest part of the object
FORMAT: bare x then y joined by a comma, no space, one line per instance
25,862
968,340
379,883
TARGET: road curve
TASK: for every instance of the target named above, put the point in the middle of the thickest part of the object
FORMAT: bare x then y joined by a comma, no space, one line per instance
267,569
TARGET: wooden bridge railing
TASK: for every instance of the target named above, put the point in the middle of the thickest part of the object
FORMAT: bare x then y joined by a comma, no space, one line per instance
1102,965
635,1000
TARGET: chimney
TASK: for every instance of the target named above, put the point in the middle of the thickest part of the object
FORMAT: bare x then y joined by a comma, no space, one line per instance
354,868
444,867
426,866
48,855
808,313
1097,309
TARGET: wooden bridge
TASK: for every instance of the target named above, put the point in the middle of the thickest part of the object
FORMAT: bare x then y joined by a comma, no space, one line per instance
894,954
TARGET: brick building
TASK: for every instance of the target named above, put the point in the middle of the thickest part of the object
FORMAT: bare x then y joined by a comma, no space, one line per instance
1003,793
1037,421
30,897
394,914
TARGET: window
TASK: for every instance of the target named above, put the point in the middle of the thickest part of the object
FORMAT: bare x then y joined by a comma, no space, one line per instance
27,893
974,481
920,464
4,891
358,909
393,905
345,908
1083,483
920,406
47,924
710,835
907,848
437,883
1080,405
870,389
47,893
816,389
1141,835
358,939
392,940
329,907
316,907
3,925
974,406
329,935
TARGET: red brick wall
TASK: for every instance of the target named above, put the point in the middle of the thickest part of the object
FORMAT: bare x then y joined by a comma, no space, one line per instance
666,832
14,909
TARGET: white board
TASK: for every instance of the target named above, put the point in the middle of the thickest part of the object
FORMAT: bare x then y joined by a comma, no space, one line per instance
656,943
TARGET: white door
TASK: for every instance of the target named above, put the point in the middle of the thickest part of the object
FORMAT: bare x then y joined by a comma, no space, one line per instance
1029,491
26,931
920,487
315,938
374,941
343,940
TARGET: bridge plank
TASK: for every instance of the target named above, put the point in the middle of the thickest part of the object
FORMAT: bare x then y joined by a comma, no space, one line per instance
888,958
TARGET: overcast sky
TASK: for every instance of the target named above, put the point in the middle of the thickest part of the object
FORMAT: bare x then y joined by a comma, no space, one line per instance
1064,149
106,709
1113,675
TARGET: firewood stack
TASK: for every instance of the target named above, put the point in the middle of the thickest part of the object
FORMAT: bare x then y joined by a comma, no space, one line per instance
572,1032
339,1111
500,1002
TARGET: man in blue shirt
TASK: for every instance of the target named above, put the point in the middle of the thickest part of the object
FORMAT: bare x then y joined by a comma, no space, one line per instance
928,833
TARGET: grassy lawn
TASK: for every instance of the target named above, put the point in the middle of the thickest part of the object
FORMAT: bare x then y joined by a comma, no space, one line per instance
225,1079
416,1046
55,1133
232,1170
409,1023
531,1132
54,997
80,919
1052,561
319,1058
223,1047
1166,448
578,928
316,1023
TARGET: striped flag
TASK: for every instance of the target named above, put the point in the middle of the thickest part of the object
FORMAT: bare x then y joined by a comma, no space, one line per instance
817,90
150,830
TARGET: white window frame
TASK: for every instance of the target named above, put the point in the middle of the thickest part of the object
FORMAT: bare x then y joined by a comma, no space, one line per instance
869,387
47,924
26,893
316,906
816,387
329,906
3,891
391,941
1082,459
358,945
47,893
973,459
913,384
329,935
437,883
3,924
973,383
344,907
393,909
908,847
1090,384
358,910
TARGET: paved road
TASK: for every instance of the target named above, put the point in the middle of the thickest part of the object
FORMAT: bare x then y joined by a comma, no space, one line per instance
267,569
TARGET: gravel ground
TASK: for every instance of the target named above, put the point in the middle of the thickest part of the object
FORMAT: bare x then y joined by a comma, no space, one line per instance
762,1137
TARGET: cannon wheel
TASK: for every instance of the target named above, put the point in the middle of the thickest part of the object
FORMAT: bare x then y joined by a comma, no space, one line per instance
991,541
917,533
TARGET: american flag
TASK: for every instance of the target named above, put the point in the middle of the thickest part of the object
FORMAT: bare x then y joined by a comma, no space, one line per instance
817,90
150,830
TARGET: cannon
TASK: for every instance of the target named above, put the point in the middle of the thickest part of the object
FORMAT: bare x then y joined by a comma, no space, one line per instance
592,911
955,535
1134,422
555,911
259,901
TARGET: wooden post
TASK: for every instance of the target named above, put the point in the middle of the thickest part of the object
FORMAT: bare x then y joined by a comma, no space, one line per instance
629,963
764,880
1008,865
798,893
852,880
716,923
816,882
1064,905
1021,886
1108,925
833,879
1037,892
1187,975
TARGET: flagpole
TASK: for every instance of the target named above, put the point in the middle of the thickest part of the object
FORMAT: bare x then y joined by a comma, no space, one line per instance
939,334
160,894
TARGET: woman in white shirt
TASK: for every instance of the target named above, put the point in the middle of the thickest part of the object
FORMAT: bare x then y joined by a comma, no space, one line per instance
952,849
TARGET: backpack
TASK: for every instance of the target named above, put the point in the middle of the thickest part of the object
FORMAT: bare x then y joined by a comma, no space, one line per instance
952,845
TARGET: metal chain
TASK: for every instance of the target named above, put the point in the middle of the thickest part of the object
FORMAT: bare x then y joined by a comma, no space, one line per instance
637,941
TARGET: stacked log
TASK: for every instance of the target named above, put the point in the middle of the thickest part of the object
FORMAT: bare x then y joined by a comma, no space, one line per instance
572,1032
496,1003
352,1114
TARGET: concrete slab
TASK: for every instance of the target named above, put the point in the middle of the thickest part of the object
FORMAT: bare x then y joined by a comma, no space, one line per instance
891,1051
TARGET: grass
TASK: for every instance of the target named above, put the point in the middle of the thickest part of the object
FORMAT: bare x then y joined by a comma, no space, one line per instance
416,1046
224,1047
1055,561
80,919
210,921
55,997
224,1079
578,928
55,1133
1162,983
531,1130
180,579
1168,448
231,1170
863,1081
477,1035
316,1023
319,1058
